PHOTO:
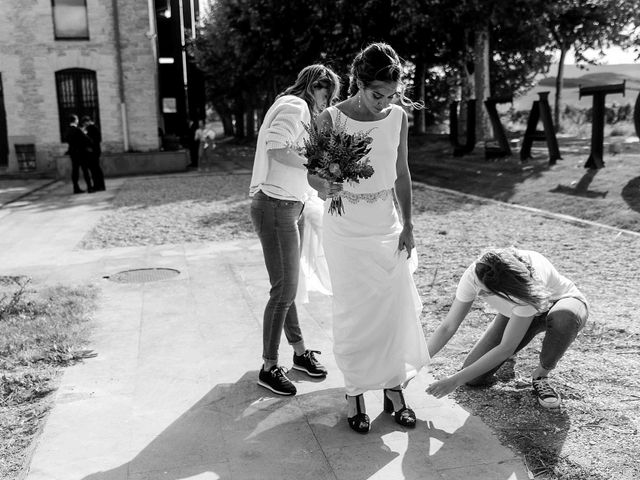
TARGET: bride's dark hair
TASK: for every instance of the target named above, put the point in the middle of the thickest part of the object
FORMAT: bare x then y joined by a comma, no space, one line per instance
379,62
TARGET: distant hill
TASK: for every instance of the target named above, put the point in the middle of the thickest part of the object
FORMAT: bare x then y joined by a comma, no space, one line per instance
590,76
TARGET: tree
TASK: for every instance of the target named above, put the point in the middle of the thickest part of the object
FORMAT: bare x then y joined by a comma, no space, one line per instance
506,32
417,38
250,50
584,25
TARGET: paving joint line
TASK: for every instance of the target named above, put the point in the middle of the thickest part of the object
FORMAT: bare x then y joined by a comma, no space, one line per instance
26,194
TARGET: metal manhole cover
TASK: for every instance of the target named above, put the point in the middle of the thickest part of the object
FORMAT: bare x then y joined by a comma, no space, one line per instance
143,275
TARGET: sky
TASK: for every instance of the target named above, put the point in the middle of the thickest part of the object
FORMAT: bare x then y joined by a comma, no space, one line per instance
613,56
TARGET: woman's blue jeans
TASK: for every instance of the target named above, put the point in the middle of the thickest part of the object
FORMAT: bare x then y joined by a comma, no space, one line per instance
279,225
561,325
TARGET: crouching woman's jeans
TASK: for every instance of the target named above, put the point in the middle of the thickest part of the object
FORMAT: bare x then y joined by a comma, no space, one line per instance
279,225
561,325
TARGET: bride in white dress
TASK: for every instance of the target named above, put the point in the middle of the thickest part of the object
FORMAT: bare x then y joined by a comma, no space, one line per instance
378,338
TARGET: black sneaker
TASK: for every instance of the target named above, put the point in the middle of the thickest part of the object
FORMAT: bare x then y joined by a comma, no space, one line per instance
548,397
308,363
276,380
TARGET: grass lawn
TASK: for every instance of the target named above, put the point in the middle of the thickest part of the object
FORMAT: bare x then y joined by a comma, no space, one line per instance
595,434
610,195
41,330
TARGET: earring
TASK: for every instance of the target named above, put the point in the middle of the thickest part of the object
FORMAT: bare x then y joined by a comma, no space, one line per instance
359,101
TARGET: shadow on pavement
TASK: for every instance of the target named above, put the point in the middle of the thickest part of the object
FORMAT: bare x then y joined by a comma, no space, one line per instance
235,431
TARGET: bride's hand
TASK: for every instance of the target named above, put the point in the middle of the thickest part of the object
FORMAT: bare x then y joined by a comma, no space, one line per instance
333,188
406,241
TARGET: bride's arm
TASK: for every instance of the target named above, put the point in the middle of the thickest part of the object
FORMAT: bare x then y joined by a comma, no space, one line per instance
403,189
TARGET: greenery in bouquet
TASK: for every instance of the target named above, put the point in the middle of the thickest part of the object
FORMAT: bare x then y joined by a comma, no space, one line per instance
337,156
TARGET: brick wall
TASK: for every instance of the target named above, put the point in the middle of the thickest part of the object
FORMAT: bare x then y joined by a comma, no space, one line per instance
30,56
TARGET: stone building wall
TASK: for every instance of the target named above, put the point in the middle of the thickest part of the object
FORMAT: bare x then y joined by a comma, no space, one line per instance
30,55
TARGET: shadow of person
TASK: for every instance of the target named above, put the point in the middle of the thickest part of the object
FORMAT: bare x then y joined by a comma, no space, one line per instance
631,193
239,430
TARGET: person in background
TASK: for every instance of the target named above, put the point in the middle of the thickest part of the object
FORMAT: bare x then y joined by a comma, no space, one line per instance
207,136
80,148
195,137
279,189
91,130
531,297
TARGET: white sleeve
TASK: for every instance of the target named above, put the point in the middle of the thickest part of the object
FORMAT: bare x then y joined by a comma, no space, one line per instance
287,125
467,286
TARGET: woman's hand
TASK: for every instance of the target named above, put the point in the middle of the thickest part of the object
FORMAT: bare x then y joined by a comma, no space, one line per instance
406,239
443,387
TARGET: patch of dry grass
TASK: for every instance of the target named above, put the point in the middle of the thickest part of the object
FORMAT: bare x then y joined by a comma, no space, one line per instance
175,209
41,330
595,434
610,195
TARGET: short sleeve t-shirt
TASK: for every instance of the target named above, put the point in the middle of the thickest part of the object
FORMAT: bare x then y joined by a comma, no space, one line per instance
556,284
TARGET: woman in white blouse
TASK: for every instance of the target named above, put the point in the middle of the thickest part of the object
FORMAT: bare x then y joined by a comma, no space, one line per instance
531,297
279,188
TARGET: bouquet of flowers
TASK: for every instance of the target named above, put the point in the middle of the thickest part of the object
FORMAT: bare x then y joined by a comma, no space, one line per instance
337,156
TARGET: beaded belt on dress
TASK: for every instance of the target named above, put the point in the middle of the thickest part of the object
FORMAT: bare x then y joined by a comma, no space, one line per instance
366,197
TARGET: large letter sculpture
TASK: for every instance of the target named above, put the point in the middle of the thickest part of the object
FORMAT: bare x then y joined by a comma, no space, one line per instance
503,149
540,109
597,120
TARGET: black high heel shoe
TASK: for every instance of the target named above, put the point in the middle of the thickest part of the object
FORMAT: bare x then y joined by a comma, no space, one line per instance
360,421
405,416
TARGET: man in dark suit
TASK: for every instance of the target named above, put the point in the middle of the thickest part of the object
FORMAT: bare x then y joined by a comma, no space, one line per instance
80,147
89,127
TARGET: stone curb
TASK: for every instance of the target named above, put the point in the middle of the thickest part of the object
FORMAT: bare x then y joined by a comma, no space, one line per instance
537,211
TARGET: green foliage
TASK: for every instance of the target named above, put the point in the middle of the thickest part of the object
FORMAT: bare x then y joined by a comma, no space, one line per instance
250,50
41,329
45,326
591,24
613,114
584,25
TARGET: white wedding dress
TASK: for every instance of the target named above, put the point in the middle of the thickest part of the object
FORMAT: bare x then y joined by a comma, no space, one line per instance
378,338
314,272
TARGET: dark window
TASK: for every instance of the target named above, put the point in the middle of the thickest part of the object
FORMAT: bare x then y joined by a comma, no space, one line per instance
78,94
70,19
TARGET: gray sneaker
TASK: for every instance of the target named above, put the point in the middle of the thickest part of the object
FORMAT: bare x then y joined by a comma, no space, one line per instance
548,397
276,380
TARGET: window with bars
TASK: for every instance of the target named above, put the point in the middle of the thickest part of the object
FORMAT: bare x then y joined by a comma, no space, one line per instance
77,94
70,21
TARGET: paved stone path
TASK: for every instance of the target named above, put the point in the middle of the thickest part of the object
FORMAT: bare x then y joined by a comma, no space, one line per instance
172,391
